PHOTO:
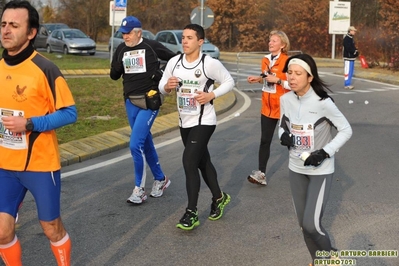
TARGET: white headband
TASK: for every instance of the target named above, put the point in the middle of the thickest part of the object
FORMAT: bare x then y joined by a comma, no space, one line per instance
300,62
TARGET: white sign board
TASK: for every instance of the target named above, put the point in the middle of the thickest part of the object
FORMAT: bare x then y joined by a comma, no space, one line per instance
340,17
120,14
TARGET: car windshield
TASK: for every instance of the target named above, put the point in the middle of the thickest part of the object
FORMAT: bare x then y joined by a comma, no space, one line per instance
148,35
56,26
179,35
74,34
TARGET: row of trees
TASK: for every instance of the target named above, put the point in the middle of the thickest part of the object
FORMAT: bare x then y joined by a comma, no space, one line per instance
243,25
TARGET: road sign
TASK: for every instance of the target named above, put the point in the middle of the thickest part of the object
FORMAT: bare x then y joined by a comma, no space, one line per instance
208,17
116,14
120,3
340,17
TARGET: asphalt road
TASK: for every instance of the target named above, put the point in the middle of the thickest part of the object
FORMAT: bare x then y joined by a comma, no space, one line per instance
259,226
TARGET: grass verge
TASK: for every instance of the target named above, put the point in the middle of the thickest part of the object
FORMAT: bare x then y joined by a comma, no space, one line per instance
100,107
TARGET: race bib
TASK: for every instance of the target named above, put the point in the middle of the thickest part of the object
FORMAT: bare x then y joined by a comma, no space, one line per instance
186,102
134,61
269,87
8,139
303,138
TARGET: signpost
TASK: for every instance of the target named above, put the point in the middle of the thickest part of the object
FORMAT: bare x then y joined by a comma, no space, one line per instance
117,12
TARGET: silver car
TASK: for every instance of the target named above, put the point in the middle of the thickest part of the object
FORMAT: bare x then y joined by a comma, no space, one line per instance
118,38
70,41
172,39
44,31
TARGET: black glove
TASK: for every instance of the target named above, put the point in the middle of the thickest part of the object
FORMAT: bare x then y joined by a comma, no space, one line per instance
316,158
287,139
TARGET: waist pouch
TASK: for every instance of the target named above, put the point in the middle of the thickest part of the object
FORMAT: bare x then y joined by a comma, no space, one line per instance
154,99
151,100
139,101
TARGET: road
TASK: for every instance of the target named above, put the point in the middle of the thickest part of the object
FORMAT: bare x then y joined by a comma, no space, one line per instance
259,225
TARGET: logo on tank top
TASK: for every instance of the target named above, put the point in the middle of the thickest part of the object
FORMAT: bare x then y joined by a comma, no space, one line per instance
197,73
19,94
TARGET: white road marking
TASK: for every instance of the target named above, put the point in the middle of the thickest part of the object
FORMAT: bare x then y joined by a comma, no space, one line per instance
243,108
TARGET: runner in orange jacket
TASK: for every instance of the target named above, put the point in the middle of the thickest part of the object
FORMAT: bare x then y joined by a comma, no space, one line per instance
274,85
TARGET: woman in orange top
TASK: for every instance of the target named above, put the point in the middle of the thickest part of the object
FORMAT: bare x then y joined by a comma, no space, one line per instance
274,85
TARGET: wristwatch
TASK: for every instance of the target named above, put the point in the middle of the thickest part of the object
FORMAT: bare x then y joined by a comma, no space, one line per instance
29,125
279,82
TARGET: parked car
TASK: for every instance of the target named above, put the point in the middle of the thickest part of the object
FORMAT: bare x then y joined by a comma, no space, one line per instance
44,31
172,39
70,41
118,38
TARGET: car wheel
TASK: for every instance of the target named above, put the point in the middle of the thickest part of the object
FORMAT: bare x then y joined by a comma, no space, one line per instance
48,48
66,50
93,53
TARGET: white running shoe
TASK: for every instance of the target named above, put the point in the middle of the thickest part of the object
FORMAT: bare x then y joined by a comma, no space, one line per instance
159,186
138,196
257,177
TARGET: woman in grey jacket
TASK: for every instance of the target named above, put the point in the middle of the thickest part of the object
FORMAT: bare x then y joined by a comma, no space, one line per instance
308,114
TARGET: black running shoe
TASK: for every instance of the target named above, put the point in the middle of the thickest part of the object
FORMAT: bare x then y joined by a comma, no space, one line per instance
189,220
217,207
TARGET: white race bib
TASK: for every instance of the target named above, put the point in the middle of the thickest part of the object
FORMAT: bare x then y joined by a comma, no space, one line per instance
186,102
303,138
269,87
134,61
8,139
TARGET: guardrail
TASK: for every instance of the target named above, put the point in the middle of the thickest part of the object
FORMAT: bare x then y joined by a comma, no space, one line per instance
251,58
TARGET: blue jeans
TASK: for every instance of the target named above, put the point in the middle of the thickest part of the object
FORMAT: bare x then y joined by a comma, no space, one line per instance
141,144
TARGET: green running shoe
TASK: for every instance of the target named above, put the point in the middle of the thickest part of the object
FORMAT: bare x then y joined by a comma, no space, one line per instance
218,206
189,220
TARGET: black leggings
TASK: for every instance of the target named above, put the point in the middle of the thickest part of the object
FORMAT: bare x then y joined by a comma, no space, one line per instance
196,156
268,125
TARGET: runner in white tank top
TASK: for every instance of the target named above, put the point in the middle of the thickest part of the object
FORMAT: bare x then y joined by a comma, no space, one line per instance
191,76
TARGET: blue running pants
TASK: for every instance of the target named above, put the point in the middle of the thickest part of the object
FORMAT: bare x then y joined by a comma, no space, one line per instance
141,144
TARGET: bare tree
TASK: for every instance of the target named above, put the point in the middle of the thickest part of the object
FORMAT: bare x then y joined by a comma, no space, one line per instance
90,16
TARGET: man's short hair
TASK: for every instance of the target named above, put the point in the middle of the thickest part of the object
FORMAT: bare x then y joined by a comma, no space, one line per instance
198,30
